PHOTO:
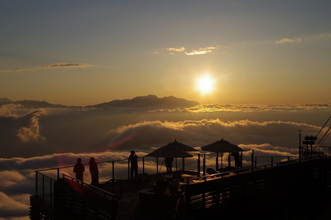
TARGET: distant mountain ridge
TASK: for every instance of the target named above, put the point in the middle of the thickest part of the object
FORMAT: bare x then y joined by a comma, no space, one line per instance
147,101
137,102
31,103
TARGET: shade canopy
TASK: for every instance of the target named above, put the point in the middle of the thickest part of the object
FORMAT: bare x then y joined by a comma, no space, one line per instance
179,146
221,147
174,149
169,152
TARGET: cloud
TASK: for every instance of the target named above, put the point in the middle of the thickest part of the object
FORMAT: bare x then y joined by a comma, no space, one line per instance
288,40
24,128
6,109
324,35
11,207
54,65
59,137
201,51
181,49
65,65
71,130
10,178
10,70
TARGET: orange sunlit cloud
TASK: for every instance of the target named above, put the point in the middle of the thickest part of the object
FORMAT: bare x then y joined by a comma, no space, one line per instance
201,51
176,49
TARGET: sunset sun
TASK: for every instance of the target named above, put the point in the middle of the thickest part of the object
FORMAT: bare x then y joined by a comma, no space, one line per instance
205,84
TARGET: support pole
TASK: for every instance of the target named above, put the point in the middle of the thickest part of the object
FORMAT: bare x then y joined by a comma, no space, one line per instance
198,165
157,166
229,160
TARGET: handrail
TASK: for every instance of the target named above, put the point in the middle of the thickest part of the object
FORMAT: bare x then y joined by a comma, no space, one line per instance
251,169
112,195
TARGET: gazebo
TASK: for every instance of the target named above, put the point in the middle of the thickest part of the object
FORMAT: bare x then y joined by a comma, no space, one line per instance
223,146
172,150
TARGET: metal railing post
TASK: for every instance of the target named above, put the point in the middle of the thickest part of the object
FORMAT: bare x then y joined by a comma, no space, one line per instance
43,188
143,164
58,173
36,184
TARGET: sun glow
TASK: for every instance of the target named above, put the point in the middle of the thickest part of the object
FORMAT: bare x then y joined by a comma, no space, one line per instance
205,84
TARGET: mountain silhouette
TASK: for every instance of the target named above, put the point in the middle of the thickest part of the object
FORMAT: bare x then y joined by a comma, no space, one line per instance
5,101
137,102
148,101
31,103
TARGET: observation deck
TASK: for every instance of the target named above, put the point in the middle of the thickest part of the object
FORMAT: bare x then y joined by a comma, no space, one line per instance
292,187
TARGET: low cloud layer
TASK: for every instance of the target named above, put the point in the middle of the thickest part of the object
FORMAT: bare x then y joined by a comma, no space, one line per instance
23,128
40,139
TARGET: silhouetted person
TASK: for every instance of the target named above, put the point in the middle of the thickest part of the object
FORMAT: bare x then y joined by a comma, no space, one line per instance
134,164
237,161
94,172
79,169
168,161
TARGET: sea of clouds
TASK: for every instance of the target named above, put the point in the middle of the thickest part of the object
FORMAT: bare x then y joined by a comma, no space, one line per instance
35,139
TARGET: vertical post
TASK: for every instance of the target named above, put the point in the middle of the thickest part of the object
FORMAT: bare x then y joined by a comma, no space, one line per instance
36,183
204,164
252,158
157,166
176,164
300,150
241,159
229,160
217,161
198,165
143,164
113,169
58,173
255,161
51,192
113,176
43,188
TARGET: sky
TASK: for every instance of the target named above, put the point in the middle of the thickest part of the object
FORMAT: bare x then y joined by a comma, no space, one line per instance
89,52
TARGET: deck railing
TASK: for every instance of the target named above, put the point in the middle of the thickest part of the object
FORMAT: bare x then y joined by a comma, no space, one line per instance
239,171
288,184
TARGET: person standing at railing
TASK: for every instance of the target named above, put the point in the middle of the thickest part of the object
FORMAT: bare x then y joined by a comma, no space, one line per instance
134,164
93,166
168,162
79,169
